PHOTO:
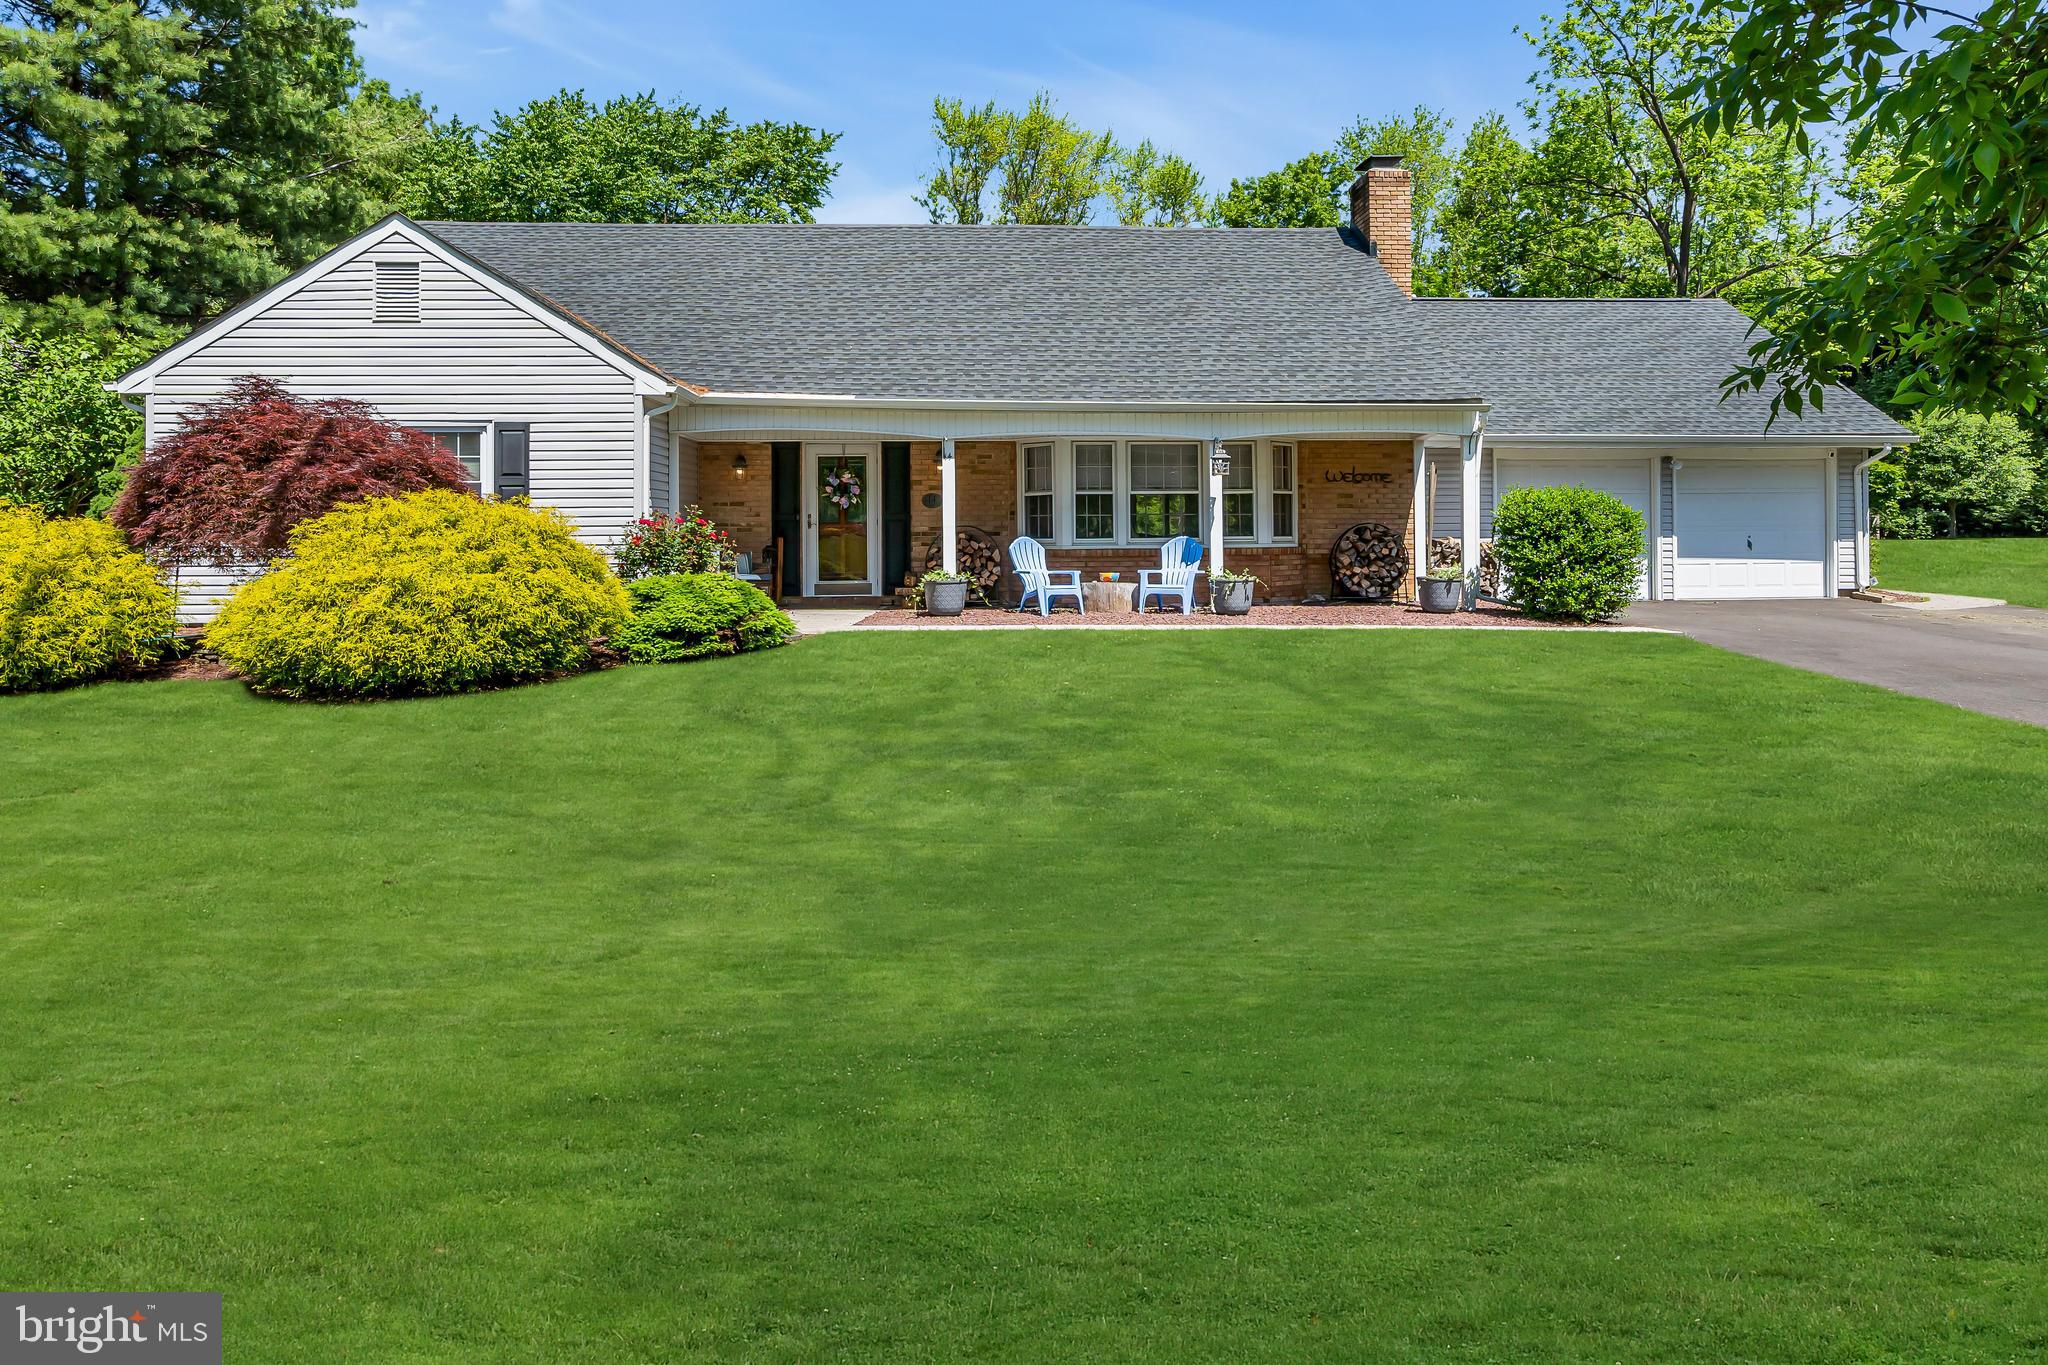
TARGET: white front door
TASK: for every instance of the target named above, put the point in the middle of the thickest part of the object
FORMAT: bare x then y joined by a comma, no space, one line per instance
1752,528
1628,480
842,533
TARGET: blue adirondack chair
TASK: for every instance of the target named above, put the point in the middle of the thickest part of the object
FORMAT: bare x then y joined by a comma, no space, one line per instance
1180,559
1027,561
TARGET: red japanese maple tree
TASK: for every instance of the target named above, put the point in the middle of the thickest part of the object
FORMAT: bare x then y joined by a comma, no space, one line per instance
243,470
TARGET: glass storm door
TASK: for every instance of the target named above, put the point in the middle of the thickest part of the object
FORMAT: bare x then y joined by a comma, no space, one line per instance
841,494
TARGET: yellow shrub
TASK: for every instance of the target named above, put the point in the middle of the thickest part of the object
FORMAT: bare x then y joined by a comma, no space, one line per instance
431,592
75,602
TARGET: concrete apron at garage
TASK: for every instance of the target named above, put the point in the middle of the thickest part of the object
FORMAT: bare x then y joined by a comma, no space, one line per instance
1989,659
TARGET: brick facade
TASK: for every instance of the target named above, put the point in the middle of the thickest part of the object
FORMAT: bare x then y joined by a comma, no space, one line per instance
1339,483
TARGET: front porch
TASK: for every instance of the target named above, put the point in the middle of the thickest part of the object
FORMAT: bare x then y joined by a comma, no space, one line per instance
1099,504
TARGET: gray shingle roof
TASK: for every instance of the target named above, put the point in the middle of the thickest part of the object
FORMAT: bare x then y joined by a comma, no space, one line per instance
1007,314
1621,367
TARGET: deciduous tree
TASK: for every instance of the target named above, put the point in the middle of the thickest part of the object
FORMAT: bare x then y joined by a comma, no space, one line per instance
242,471
1950,272
633,159
63,437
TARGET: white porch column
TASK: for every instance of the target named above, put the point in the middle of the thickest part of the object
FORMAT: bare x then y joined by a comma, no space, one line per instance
1421,515
949,509
1468,513
1219,466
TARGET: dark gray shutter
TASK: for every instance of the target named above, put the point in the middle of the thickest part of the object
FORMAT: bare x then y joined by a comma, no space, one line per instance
512,480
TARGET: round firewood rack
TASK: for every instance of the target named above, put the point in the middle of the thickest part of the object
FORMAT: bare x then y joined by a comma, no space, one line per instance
978,555
1367,563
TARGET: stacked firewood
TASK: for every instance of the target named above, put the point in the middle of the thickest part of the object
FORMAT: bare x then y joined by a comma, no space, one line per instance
977,557
1489,570
1446,552
1368,561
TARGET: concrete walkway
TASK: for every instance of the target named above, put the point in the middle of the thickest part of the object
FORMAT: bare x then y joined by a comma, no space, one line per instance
826,620
1992,659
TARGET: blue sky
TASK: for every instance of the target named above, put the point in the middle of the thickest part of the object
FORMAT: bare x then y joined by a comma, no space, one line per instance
1236,90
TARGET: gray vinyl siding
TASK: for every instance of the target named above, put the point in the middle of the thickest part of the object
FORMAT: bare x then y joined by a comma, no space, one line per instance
1445,510
1666,531
661,465
1846,520
1485,493
686,455
473,358
201,588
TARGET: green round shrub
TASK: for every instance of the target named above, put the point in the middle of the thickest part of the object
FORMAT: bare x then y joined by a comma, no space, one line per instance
430,592
693,615
1569,554
75,602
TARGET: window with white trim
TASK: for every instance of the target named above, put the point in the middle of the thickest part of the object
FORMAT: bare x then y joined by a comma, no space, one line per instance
1166,490
1086,492
467,445
1038,504
1283,492
1095,491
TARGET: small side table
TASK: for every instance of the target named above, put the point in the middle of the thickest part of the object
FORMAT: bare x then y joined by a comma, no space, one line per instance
1109,597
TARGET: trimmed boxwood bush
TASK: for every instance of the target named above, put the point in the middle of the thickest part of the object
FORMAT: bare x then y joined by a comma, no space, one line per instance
75,602
694,615
1570,554
431,592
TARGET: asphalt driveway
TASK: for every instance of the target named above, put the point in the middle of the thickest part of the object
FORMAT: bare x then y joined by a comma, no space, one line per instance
1989,659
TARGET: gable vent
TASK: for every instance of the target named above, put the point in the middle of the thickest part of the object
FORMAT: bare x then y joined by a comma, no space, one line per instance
398,292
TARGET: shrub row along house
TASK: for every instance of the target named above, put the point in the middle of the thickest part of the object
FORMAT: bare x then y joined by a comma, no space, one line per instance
851,392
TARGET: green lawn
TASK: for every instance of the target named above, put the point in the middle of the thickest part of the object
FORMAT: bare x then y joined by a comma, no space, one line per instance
1057,996
2015,569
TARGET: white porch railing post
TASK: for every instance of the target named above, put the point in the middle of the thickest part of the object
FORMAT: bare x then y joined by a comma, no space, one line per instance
1468,518
1219,466
1421,515
949,509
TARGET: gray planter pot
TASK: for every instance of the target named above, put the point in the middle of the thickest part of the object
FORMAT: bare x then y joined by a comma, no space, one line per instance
1231,599
1440,594
945,599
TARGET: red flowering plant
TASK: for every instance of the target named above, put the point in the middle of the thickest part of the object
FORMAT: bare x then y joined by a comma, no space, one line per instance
242,471
684,543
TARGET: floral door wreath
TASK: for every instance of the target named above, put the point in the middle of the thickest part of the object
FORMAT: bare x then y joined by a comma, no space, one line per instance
842,489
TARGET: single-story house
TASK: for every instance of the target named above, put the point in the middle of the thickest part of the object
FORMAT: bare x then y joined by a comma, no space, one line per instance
1099,389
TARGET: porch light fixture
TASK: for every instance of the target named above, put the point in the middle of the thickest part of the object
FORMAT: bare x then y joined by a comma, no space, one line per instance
739,465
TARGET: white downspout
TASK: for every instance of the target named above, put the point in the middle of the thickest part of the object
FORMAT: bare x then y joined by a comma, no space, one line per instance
1862,476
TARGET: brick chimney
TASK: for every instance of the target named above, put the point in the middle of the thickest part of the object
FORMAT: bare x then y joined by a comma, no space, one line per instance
1384,216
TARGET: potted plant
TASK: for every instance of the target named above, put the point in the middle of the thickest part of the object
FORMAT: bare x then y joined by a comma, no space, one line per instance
941,594
1230,593
1443,590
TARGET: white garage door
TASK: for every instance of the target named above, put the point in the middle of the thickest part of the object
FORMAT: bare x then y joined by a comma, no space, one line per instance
1628,480
1752,528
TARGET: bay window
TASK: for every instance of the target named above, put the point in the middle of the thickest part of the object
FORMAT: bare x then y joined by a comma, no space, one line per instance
1089,492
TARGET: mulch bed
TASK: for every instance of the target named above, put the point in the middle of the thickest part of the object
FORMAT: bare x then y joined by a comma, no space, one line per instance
1334,614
